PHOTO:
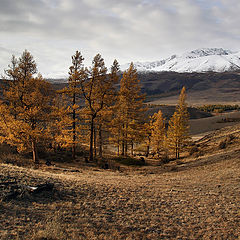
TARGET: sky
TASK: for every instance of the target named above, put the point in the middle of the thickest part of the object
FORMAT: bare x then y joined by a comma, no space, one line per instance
126,30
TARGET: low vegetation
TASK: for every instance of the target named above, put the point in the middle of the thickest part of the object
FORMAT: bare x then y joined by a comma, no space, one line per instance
128,161
218,108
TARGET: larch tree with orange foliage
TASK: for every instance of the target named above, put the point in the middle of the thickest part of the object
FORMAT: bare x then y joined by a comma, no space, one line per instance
178,128
73,91
25,109
128,112
158,133
98,90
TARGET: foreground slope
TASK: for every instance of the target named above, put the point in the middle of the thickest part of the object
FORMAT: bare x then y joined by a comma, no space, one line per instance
196,198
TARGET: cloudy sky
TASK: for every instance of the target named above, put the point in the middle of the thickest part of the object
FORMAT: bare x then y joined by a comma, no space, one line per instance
128,30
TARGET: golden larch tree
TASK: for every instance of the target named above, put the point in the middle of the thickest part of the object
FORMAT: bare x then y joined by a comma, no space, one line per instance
26,106
60,126
75,72
158,132
147,134
178,128
128,111
104,118
97,89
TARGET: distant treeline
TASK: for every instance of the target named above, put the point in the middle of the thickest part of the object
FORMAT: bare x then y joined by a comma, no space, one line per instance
218,108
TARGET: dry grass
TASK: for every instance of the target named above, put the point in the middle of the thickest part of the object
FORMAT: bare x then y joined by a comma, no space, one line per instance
201,97
200,202
193,198
204,125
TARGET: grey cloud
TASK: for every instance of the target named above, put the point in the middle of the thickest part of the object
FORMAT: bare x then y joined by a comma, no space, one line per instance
128,30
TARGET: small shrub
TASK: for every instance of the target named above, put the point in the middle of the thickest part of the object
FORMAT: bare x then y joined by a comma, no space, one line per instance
7,149
173,169
222,144
128,161
14,159
165,159
193,150
229,138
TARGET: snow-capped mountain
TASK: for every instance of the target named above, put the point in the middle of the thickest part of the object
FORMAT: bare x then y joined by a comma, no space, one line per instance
200,60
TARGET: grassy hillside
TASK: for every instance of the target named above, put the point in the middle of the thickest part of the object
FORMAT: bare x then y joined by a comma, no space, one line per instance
161,83
194,198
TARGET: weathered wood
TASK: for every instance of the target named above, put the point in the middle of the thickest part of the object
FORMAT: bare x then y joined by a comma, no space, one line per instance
21,190
66,169
43,187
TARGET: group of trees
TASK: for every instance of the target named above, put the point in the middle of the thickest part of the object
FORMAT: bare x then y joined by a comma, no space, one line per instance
172,136
96,107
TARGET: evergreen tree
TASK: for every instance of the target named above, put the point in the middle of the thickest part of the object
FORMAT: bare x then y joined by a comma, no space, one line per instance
178,129
26,106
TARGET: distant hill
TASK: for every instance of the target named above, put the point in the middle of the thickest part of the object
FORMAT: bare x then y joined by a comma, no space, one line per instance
169,82
203,87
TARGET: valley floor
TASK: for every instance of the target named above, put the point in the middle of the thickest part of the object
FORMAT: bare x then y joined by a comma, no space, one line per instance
195,199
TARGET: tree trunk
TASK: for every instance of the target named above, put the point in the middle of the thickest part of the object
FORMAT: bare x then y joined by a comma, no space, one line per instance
147,152
91,139
94,141
74,127
132,148
123,148
177,153
123,145
100,140
126,142
118,148
34,153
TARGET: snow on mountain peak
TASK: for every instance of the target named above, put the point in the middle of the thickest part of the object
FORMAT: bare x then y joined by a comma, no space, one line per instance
199,60
203,52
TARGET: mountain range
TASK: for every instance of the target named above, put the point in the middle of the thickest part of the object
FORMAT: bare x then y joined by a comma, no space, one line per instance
210,75
200,60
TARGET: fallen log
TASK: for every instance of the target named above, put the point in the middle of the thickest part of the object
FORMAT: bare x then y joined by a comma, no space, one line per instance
22,190
43,187
66,169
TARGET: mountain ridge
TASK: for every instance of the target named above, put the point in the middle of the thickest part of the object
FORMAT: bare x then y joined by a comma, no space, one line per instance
199,60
